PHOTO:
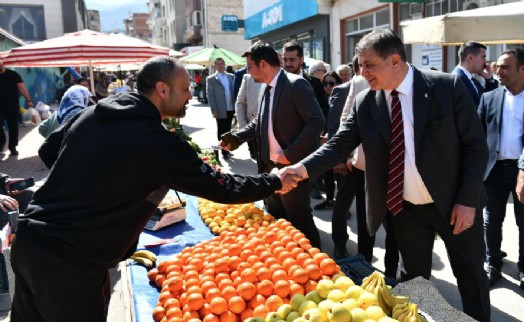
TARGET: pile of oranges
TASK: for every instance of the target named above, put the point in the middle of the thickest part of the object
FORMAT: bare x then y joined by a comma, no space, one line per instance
239,274
221,217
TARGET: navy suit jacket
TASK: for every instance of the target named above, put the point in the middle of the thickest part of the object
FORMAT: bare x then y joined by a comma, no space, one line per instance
490,113
337,101
450,146
471,89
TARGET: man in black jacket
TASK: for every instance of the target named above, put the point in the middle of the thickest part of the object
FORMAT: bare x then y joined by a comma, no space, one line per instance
111,166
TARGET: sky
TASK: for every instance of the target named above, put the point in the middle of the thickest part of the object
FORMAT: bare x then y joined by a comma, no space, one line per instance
112,13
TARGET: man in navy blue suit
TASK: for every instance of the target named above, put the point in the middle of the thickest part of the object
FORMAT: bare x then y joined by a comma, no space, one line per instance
472,60
502,114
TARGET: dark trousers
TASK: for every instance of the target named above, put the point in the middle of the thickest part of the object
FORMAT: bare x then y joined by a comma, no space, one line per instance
364,239
253,148
392,257
11,117
499,185
295,206
51,287
345,196
224,126
415,229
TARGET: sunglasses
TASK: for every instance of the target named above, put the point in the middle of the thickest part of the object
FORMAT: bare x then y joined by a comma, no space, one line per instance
330,84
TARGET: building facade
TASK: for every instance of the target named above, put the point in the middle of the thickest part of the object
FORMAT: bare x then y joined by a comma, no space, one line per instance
93,20
137,25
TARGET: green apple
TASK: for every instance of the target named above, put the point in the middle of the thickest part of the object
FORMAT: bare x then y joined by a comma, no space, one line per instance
296,301
353,292
343,283
313,315
324,307
336,295
272,317
350,304
284,310
300,319
292,316
337,276
367,299
359,315
255,319
375,312
306,305
324,286
313,296
339,313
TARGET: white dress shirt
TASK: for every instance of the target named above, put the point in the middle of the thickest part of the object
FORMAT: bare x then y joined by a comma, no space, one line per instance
415,190
274,148
512,129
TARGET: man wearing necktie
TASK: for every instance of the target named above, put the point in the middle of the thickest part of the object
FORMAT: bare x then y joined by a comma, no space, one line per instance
425,159
287,129
472,61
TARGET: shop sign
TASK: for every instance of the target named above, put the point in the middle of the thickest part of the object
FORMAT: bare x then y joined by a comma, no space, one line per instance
261,19
229,23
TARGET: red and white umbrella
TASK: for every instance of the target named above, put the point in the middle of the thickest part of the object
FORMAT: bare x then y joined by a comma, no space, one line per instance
83,48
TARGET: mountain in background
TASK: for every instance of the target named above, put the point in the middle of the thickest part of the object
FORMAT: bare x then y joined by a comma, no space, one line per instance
113,13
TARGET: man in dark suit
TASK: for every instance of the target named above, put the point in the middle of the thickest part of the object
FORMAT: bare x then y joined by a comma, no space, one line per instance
472,60
426,154
502,114
293,62
287,129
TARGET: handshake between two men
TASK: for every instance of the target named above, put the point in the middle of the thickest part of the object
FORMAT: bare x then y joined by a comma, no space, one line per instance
289,176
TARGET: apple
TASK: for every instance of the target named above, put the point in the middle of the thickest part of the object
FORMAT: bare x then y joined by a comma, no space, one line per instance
386,319
324,286
367,299
343,283
359,315
324,307
272,317
339,313
255,319
313,296
375,312
350,304
313,315
296,301
337,295
306,305
354,291
337,276
284,310
292,316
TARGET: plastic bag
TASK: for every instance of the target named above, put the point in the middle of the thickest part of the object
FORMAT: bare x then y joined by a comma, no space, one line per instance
32,115
43,109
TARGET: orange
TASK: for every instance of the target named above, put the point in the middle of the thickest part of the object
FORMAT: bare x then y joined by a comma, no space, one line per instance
308,262
249,275
207,285
221,265
242,266
265,255
159,313
286,239
262,310
191,282
182,299
197,262
300,276
278,275
313,251
275,267
284,255
175,284
270,237
204,310
288,262
212,293
228,292
152,274
159,280
173,312
277,250
310,286
253,259
210,318
282,288
328,266
171,303
218,305
228,316
274,302
263,274
221,276
314,272
301,258
292,246
233,262
247,313
225,282
162,266
246,252
271,261
257,300
164,296
258,265
195,301
265,287
247,290
236,304
194,289
295,288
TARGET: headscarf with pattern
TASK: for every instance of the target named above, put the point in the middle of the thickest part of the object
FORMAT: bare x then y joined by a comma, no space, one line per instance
75,99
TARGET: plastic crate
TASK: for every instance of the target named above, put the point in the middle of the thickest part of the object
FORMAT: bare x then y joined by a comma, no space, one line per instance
357,268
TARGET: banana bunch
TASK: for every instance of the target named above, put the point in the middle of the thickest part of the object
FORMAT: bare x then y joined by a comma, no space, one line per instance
407,312
144,257
376,284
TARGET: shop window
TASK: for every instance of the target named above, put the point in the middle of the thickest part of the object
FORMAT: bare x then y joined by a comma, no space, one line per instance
356,28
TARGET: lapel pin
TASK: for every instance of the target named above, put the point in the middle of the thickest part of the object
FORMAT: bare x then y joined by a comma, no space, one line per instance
426,95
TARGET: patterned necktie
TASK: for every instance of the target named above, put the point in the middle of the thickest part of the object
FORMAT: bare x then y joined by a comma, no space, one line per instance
478,86
264,126
394,201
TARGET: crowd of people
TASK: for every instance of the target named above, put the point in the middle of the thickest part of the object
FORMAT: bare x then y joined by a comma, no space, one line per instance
432,152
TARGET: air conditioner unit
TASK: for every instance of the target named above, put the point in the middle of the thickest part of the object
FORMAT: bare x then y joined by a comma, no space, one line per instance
197,18
415,9
474,4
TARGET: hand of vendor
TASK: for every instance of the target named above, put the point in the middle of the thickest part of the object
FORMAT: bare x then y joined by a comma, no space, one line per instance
293,173
8,203
288,182
229,142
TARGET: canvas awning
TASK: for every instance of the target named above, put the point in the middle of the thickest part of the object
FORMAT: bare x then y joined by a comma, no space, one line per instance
501,24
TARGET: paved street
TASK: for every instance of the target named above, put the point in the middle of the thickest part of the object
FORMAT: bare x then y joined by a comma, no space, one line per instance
506,296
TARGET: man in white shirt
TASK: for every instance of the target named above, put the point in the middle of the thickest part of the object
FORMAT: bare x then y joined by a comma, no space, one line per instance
502,115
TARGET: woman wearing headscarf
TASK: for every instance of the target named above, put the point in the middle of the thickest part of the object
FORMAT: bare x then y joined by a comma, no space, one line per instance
75,99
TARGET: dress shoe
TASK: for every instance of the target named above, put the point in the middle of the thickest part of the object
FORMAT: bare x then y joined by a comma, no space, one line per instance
315,194
13,152
325,205
493,274
521,280
340,251
503,254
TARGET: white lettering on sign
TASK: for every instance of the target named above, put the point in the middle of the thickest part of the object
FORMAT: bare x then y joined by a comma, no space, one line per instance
272,16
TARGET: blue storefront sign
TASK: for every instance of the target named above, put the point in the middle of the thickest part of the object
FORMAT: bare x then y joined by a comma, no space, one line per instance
275,14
